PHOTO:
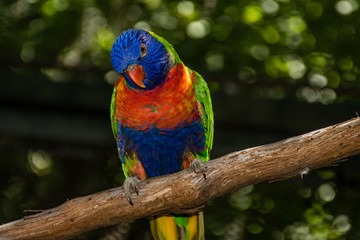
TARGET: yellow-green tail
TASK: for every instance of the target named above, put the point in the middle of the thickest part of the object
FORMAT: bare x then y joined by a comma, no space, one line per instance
178,227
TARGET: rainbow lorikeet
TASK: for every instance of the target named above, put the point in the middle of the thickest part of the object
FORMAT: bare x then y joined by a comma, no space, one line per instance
162,120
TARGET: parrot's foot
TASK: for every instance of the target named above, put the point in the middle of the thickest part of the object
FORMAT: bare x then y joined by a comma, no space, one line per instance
198,166
131,185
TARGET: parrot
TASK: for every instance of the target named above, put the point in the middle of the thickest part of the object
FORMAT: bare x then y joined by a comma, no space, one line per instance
162,120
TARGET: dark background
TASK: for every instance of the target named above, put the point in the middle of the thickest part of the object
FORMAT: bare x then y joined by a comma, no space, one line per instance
275,69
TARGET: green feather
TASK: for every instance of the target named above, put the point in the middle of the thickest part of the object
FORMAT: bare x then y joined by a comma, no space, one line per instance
114,125
183,222
203,96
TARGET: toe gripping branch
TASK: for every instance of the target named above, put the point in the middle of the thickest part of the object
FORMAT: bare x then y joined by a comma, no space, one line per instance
131,185
198,166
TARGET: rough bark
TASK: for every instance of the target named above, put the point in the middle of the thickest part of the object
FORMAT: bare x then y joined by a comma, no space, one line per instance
186,192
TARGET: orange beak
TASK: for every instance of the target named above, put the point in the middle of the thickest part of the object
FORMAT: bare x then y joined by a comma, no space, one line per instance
136,74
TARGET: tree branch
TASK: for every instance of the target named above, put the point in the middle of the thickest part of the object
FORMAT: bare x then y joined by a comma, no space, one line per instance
186,192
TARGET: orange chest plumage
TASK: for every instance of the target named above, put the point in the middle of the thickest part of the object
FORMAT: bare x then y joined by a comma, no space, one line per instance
169,105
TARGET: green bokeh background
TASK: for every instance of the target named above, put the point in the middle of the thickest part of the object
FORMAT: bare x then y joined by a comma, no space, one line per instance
275,68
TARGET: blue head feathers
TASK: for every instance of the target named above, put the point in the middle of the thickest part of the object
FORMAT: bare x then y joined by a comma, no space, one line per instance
138,48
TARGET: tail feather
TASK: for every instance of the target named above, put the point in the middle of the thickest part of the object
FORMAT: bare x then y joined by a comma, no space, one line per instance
178,227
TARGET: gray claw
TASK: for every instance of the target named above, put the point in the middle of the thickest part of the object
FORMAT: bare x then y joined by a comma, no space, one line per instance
198,166
131,184
129,200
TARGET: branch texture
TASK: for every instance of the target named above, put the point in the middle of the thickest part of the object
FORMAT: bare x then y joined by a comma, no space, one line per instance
185,191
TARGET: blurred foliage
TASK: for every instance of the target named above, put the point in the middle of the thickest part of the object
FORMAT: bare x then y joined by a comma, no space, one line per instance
55,72
303,49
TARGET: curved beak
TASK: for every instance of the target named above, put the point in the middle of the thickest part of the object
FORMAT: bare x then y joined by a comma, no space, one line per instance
136,74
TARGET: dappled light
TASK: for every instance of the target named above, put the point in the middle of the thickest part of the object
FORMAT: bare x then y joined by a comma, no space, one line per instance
198,29
40,162
287,37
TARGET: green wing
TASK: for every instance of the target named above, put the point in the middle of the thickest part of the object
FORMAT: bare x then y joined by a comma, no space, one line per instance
114,124
207,116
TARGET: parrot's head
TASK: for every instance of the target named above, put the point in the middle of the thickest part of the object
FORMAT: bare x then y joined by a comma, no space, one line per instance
143,58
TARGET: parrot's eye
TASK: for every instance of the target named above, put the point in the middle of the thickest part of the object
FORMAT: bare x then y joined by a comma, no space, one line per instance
143,50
